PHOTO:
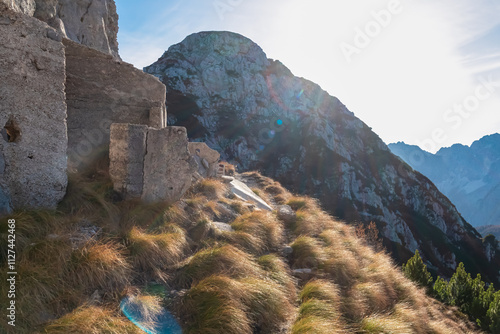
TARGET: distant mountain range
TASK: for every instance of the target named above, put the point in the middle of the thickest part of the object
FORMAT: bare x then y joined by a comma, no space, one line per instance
222,87
468,176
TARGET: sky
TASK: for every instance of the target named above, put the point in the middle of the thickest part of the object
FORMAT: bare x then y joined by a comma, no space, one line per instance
426,72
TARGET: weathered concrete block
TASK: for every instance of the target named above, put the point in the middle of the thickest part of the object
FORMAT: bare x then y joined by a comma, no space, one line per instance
206,159
151,164
168,166
126,154
33,140
100,91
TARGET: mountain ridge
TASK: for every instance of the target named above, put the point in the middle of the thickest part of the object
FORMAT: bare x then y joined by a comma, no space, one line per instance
468,175
225,91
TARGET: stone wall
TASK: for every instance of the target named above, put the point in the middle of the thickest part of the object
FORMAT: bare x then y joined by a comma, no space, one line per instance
151,164
101,90
33,138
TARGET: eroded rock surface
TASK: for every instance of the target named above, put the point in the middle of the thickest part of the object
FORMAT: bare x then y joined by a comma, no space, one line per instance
93,23
22,6
33,138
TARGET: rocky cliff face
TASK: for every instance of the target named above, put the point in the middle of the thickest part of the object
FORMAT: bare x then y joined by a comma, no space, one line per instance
93,23
253,110
468,176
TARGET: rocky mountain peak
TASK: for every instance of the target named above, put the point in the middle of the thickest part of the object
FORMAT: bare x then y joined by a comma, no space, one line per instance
258,115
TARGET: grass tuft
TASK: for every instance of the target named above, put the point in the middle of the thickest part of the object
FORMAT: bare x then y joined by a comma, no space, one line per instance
225,260
307,253
99,267
92,320
151,254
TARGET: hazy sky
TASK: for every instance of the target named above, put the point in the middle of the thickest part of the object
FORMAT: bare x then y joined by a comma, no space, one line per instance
426,72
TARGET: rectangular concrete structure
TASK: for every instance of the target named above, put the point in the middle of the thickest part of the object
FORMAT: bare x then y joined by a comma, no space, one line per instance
150,164
126,155
101,90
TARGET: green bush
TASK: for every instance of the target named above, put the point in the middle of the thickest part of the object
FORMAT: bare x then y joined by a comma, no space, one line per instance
416,270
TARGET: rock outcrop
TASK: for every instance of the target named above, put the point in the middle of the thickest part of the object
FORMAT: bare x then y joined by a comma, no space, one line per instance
151,164
21,6
468,176
206,159
93,23
32,113
253,110
101,90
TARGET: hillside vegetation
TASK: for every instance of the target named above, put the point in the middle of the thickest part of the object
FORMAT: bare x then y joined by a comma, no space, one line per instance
76,264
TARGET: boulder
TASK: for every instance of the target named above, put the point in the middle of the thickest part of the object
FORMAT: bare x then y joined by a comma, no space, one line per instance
286,214
206,159
33,139
242,191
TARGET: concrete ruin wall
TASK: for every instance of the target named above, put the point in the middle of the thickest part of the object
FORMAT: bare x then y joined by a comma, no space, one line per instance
206,159
101,90
33,140
151,164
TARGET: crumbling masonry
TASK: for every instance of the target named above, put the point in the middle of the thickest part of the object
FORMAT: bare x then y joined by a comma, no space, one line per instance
62,103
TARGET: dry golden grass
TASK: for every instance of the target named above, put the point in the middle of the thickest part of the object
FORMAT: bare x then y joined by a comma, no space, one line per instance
277,270
319,311
307,253
211,189
268,303
214,306
257,232
219,304
226,260
235,285
151,254
99,267
92,320
321,290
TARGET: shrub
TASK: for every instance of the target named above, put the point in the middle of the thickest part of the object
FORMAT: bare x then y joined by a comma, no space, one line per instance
416,270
